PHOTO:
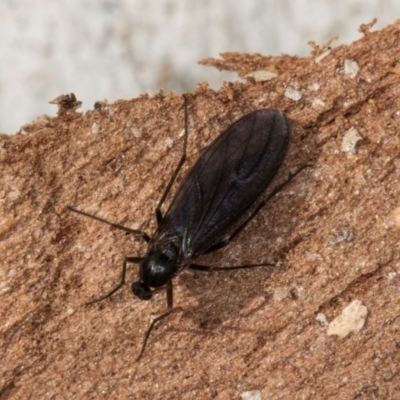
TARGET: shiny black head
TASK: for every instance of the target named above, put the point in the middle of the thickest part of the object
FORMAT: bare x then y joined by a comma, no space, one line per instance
156,269
142,291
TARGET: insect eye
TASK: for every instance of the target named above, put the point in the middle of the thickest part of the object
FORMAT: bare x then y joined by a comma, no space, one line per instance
141,290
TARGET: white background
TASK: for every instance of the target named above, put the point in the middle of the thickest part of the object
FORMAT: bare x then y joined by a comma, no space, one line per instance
117,49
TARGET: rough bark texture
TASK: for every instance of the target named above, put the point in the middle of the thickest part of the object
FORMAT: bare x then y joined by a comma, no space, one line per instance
333,233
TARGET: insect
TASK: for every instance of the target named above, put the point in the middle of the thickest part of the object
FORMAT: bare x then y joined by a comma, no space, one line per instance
206,211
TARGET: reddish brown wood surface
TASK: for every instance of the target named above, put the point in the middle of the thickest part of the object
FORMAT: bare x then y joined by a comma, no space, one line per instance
333,232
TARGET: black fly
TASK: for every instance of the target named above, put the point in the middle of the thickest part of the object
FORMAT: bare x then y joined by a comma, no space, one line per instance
208,206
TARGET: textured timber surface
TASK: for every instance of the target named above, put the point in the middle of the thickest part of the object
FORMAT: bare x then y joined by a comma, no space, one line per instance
333,233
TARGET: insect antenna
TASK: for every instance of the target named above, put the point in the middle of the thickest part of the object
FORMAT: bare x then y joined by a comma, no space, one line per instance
135,260
143,234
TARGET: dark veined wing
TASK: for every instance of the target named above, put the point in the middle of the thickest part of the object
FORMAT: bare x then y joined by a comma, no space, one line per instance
232,172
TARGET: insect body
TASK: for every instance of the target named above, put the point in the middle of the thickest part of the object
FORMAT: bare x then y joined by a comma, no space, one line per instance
224,183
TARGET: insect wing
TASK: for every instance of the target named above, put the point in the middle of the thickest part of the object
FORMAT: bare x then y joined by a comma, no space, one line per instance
232,172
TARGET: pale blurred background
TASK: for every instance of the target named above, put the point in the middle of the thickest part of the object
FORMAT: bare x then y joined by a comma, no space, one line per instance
117,49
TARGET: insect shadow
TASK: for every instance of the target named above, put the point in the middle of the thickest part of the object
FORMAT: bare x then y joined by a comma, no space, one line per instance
211,204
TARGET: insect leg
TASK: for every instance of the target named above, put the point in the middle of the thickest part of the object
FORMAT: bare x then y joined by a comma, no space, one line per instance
122,281
143,234
170,302
179,166
207,268
258,208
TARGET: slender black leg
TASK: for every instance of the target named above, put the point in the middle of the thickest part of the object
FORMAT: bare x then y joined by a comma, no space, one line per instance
122,281
179,166
207,268
252,215
170,301
143,234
